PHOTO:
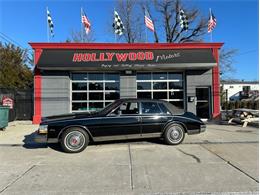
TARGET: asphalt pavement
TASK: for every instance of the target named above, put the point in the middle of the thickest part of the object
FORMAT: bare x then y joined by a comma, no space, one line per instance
223,160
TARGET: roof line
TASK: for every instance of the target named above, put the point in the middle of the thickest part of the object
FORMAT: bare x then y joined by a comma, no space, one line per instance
126,46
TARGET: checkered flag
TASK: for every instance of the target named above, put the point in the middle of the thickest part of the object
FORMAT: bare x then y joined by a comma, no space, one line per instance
183,20
118,24
49,19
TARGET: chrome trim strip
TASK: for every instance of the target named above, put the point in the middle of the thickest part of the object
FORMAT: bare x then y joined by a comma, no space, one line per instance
53,140
122,116
128,136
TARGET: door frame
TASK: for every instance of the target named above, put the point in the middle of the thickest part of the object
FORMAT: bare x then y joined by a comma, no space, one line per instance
209,100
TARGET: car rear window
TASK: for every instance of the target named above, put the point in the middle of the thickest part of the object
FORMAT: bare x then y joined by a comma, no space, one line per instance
164,109
150,108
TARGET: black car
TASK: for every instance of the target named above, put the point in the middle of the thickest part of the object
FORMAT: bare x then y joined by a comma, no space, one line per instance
122,119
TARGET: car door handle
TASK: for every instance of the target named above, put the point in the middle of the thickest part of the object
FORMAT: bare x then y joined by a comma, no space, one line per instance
139,119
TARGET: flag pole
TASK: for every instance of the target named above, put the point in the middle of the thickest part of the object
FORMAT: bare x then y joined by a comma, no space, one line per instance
114,21
48,32
145,27
81,12
210,19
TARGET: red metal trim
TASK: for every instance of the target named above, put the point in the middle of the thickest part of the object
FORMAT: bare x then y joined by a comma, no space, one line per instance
125,45
216,87
37,55
37,97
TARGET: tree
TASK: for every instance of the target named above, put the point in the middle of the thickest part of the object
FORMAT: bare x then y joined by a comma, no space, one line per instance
79,36
169,11
226,61
132,18
14,71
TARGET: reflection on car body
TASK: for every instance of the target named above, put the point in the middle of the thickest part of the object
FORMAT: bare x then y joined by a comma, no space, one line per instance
122,119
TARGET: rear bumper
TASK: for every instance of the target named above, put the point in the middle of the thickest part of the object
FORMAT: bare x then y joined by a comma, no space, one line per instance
202,128
197,131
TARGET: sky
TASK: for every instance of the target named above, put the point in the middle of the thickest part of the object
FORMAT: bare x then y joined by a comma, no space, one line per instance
23,21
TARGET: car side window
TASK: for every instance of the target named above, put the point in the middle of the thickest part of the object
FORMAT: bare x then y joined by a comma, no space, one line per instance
150,108
164,109
128,108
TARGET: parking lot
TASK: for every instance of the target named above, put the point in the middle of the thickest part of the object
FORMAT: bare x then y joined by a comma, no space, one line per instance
223,160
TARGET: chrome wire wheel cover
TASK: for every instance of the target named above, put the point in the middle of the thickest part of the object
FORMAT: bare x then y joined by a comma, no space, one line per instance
175,134
74,140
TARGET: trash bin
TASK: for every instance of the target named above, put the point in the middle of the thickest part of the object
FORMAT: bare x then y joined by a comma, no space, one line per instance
4,113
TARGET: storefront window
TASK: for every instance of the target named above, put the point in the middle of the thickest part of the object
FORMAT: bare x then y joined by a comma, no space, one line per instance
112,86
160,76
93,91
146,95
79,77
160,85
80,106
112,95
112,76
176,95
79,86
167,86
144,85
144,76
79,96
176,85
160,95
95,86
95,76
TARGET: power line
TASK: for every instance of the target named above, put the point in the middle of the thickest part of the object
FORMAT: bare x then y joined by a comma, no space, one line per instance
247,52
11,40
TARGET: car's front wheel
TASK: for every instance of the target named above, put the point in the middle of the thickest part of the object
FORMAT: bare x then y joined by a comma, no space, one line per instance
174,134
74,140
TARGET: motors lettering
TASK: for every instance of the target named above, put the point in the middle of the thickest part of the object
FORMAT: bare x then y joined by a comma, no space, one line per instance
108,56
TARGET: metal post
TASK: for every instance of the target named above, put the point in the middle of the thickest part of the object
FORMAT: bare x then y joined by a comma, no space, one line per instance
210,19
48,30
81,13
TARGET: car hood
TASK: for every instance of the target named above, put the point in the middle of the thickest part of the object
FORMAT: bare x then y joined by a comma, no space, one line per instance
69,116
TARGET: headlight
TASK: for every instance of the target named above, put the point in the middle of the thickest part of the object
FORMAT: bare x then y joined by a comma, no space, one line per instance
43,129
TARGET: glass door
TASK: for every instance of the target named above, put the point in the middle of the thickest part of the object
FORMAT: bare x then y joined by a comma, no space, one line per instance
203,104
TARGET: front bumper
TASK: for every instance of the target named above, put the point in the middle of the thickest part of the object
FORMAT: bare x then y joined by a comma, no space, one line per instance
40,138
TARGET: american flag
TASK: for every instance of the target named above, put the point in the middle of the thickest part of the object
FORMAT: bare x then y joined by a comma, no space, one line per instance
212,22
148,21
85,21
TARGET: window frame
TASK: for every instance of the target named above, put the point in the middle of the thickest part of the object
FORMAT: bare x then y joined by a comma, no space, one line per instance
104,91
167,90
149,114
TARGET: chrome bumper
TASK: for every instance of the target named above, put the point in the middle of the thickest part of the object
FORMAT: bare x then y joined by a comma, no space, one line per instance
40,138
202,128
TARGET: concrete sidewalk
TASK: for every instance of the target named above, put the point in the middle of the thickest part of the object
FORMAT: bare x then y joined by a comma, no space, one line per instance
223,160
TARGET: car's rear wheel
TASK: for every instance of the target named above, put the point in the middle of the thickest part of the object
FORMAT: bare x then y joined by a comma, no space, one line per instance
174,134
74,140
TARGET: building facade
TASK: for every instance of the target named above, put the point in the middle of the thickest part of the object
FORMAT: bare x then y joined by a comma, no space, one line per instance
237,90
78,77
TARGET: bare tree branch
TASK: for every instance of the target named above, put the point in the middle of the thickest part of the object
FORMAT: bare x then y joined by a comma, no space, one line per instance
78,36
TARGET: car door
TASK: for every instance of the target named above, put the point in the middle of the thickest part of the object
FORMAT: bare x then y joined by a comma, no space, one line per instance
122,123
153,119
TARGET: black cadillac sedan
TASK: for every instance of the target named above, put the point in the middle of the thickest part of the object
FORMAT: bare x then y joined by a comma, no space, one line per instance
122,119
